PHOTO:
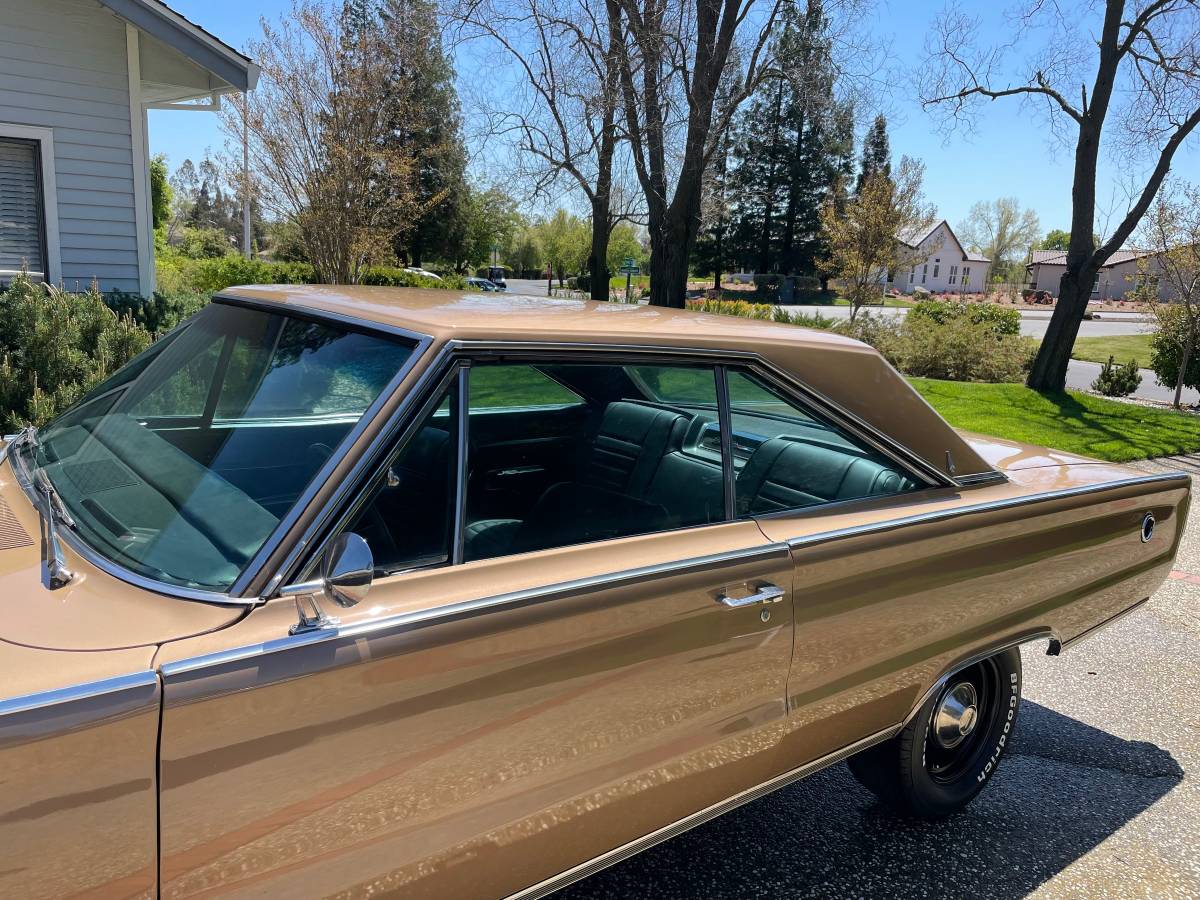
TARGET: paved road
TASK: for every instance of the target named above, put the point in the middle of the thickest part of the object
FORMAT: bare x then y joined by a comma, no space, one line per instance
1099,795
1081,374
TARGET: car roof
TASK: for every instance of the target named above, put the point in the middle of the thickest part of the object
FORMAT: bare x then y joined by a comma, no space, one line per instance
847,372
463,315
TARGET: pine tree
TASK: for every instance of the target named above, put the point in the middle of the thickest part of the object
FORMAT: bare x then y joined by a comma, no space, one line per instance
876,154
793,147
426,120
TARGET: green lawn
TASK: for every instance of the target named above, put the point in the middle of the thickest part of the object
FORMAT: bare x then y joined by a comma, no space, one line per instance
1122,347
1077,423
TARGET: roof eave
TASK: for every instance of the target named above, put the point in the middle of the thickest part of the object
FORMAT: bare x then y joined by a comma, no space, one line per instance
163,23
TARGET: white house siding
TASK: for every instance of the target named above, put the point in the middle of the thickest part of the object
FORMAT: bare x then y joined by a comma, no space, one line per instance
1114,282
938,267
63,65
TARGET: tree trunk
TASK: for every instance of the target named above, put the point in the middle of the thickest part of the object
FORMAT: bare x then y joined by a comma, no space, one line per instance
1188,346
1049,372
598,258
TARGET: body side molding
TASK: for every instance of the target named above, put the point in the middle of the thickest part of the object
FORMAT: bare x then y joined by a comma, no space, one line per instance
619,854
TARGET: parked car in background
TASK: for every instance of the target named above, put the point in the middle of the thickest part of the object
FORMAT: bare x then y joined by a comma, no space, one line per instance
425,273
482,284
367,591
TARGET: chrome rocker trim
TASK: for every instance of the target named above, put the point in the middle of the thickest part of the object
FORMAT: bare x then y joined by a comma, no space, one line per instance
619,854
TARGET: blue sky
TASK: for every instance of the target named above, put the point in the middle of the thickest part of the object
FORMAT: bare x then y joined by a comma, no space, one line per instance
1005,154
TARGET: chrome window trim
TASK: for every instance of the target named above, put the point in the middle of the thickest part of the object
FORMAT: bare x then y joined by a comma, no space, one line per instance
725,430
253,569
76,692
798,390
358,478
468,608
941,515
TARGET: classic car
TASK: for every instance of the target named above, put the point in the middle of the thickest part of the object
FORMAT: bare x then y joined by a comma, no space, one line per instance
369,591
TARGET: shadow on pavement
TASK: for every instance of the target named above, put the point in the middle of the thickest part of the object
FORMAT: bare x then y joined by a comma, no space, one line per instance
1063,789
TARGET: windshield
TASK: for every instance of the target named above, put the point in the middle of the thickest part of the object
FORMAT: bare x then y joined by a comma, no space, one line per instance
180,466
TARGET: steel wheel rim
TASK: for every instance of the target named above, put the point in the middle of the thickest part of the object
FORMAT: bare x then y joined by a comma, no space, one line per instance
960,722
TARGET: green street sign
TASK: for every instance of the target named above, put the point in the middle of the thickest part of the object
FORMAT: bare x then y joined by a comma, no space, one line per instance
630,269
629,263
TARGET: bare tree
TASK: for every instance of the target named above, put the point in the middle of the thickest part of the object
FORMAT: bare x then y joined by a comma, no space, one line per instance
317,125
1000,230
1141,60
673,58
863,232
1171,234
566,127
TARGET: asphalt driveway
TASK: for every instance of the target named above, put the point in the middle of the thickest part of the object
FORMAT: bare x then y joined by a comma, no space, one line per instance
1099,796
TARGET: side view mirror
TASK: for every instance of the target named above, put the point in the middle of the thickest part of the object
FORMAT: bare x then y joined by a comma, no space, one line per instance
347,570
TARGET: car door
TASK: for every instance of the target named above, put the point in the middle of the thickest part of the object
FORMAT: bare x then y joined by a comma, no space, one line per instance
872,612
474,728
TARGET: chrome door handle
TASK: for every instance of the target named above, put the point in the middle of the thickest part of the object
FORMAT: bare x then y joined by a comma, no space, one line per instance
767,593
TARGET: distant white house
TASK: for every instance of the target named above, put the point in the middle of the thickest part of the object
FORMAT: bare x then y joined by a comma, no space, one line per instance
76,79
939,263
1115,279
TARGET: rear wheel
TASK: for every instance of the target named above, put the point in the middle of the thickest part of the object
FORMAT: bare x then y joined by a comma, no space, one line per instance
946,754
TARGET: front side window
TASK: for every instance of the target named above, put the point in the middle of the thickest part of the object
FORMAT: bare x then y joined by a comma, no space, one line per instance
789,458
180,466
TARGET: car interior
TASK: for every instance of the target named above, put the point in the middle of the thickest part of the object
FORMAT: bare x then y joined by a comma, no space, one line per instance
569,454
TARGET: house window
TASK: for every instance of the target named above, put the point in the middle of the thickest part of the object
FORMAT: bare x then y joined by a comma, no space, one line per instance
953,274
966,275
1096,284
935,270
924,272
22,212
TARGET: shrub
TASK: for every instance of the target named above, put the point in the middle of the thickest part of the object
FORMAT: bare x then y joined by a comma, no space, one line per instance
961,350
1166,347
1000,320
54,346
391,276
158,314
1118,381
881,332
181,275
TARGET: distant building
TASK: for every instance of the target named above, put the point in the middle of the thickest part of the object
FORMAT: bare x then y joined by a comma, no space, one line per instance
940,264
1116,278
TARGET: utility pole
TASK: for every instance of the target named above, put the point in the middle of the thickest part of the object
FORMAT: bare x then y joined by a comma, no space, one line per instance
245,176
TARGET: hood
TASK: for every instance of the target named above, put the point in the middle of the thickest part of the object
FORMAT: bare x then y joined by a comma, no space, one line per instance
95,611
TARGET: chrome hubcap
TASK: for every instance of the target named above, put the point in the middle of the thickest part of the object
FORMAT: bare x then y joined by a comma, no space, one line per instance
957,716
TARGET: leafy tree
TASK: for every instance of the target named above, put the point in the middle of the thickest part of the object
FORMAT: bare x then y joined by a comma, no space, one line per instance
876,152
624,242
491,219
1171,230
160,191
1001,231
321,126
1055,239
565,243
863,246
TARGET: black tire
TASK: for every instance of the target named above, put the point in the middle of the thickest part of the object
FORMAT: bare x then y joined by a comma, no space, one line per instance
917,774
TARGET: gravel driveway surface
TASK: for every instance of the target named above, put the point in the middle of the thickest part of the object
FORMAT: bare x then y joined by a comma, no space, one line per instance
1099,796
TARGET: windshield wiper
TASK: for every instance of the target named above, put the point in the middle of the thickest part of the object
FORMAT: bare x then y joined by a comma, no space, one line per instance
55,573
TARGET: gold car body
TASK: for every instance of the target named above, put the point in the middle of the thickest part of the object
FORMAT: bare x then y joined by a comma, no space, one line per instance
508,725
